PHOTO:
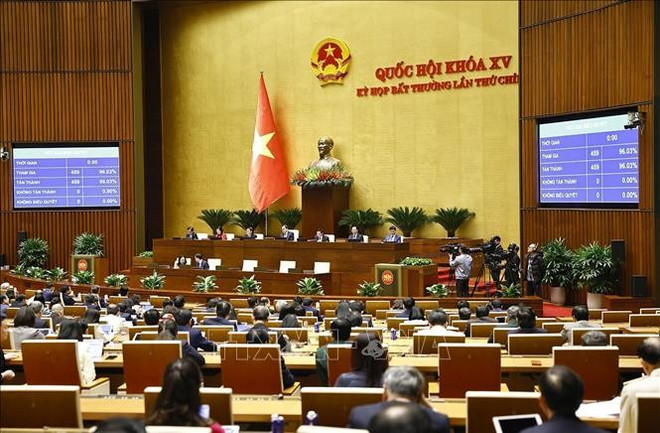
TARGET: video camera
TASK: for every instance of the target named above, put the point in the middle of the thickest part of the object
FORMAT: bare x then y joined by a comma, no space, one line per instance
453,249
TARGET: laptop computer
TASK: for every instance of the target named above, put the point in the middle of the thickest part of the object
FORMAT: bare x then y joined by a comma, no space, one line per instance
515,423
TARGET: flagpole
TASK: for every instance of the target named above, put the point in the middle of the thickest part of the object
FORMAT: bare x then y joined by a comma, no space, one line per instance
266,222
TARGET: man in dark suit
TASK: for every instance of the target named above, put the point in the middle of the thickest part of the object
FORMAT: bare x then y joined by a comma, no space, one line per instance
320,236
527,323
183,319
482,317
401,418
308,305
65,296
222,311
190,233
286,233
355,235
38,307
392,238
18,302
201,262
249,233
402,384
561,395
90,302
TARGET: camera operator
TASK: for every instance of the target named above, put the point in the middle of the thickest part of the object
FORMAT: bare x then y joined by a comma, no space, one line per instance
493,255
462,265
534,269
512,267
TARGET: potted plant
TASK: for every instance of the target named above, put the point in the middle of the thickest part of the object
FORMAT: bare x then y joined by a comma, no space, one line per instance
56,274
595,270
416,261
154,281
513,290
145,258
438,290
558,264
363,219
205,284
369,289
146,254
248,218
88,244
248,286
407,220
451,219
33,252
116,280
310,286
36,272
216,218
314,177
83,277
288,217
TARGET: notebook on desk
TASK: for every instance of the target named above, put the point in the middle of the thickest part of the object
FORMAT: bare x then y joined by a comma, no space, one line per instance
93,347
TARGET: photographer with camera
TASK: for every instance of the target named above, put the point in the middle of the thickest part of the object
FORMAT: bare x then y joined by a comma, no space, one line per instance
462,265
512,266
494,255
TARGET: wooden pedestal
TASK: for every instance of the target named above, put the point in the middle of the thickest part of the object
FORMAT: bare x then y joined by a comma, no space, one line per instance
98,265
322,208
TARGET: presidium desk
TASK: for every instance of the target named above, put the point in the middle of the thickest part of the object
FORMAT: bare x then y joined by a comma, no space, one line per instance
350,263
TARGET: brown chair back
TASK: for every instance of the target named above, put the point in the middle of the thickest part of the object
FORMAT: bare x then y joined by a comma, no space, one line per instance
76,311
10,312
615,316
648,406
218,333
628,343
133,330
644,320
157,301
533,344
373,306
251,368
460,324
245,318
153,335
377,331
464,367
218,399
597,366
408,329
650,310
241,337
274,323
596,313
333,405
238,302
501,336
394,322
428,304
428,344
145,362
482,406
327,304
338,361
484,330
300,335
307,321
36,406
553,327
577,333
541,320
116,299
51,362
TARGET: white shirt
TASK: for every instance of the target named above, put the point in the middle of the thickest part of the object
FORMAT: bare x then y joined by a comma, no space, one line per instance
116,322
438,330
628,415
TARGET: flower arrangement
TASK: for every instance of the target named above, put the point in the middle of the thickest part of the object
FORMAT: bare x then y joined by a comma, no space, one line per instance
314,177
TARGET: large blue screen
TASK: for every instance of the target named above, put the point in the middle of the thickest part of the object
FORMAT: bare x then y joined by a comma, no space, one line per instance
66,176
592,161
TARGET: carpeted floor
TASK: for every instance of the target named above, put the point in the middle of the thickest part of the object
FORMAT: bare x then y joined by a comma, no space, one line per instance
552,310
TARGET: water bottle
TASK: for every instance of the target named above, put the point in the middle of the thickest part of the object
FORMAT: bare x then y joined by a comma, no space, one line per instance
393,334
317,327
311,418
274,423
205,411
280,424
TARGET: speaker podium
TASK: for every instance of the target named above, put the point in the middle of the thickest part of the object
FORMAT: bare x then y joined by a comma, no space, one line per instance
323,208
85,262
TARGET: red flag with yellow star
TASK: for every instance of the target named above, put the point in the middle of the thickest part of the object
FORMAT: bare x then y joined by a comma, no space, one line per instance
269,180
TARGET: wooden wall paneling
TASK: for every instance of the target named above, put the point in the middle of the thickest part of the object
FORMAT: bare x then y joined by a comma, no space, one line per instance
66,75
590,56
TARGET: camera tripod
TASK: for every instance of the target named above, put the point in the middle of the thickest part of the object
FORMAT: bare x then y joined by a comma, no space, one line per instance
484,272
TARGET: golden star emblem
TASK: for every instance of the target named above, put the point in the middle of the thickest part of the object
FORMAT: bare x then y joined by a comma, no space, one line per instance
260,145
330,51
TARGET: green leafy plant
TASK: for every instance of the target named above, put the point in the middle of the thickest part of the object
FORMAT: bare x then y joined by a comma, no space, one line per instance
19,269
36,272
512,291
248,218
205,284
154,281
33,252
558,263
363,219
310,286
83,277
288,217
416,261
88,244
438,290
406,219
116,280
594,268
451,219
314,177
146,254
248,286
56,274
369,289
216,218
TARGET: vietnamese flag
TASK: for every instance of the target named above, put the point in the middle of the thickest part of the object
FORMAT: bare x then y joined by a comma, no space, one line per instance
269,180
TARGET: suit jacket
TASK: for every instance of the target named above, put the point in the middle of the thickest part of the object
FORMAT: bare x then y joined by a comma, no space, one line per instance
204,264
197,340
356,238
392,239
629,409
40,323
529,331
67,300
323,239
218,321
361,416
289,236
561,424
189,352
